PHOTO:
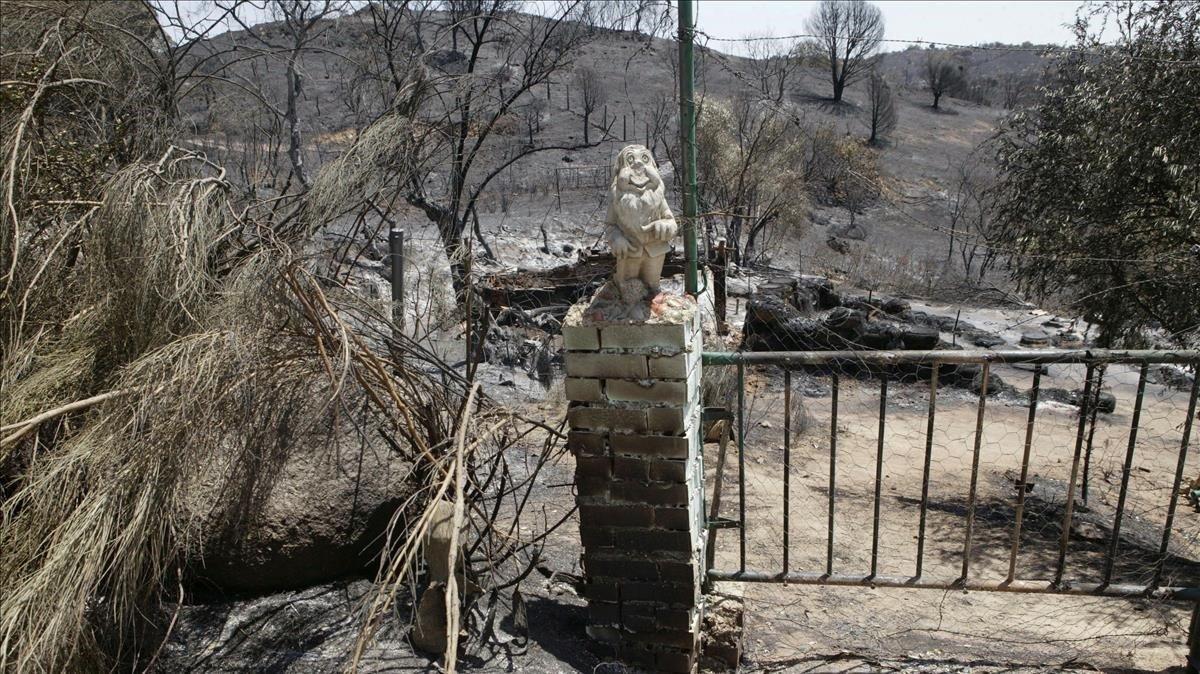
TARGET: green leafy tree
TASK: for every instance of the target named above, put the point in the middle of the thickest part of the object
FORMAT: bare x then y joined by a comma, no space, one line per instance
1099,196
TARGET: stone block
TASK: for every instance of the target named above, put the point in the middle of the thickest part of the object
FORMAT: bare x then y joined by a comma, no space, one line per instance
681,661
580,338
579,389
653,494
667,337
606,365
667,470
617,515
631,468
604,612
675,519
662,446
669,367
620,567
668,420
585,443
647,391
593,468
609,418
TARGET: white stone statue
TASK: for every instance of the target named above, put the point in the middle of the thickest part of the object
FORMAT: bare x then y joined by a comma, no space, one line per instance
639,223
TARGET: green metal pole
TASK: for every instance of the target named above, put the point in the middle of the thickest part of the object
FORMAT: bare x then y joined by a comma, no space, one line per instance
687,138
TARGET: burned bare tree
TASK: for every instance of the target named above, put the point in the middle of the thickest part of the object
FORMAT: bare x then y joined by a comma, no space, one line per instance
848,32
592,94
882,107
299,25
772,65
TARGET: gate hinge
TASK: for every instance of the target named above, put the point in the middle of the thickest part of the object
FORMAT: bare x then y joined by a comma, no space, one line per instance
722,523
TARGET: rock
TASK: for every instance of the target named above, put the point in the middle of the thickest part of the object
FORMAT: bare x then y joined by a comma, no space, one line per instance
1106,402
1069,340
837,245
320,515
919,338
429,628
722,632
895,305
986,340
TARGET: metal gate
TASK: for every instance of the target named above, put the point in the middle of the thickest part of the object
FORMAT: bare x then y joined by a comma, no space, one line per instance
867,370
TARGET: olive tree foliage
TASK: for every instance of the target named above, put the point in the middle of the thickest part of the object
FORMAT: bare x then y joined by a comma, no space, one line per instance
750,157
944,74
1099,192
848,33
881,108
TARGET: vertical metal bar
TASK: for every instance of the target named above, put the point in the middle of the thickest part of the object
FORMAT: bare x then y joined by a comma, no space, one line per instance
1066,526
933,384
720,301
1183,448
883,382
983,393
1087,449
741,421
396,255
687,133
832,473
1111,557
1021,489
1193,663
787,464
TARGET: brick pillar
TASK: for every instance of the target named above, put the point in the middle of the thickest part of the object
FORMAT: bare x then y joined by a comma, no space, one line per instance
635,432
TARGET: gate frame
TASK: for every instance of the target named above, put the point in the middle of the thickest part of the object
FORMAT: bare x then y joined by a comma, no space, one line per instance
1091,358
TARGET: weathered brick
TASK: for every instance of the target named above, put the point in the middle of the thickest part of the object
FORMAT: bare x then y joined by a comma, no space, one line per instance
604,612
671,420
646,391
676,519
654,494
580,338
620,567
584,443
593,468
602,589
637,654
607,418
678,572
671,367
617,515
676,618
605,633
636,590
584,390
631,467
651,540
668,337
665,637
592,487
649,445
596,536
681,661
606,365
668,470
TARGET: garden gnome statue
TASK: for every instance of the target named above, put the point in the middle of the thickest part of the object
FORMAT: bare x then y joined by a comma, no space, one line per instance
639,224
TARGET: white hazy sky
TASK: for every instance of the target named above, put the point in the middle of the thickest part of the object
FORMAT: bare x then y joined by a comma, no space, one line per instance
958,22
